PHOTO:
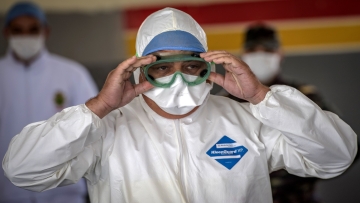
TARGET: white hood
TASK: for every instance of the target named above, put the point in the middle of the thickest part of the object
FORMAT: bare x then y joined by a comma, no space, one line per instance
181,30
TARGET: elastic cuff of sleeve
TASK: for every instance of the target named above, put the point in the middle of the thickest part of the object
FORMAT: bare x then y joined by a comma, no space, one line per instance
268,101
96,119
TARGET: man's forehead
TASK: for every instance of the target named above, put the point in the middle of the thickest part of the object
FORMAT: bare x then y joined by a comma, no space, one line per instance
261,48
25,19
170,52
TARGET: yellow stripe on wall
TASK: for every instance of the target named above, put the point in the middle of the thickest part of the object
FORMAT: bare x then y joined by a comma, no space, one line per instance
291,38
323,35
130,44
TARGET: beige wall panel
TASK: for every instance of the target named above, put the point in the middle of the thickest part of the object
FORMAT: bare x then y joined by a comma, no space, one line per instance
105,5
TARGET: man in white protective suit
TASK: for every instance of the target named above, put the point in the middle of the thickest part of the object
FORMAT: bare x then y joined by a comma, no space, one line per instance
175,142
34,85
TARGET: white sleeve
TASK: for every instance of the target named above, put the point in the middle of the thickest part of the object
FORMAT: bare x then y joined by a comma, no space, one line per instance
302,138
56,152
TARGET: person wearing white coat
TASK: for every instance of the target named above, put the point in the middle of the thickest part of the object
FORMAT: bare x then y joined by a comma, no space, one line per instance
175,142
34,85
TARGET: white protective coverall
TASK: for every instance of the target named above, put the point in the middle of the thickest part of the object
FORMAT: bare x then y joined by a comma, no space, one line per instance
223,152
27,94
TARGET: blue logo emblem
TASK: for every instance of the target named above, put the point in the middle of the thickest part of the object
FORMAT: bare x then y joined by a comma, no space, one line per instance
227,152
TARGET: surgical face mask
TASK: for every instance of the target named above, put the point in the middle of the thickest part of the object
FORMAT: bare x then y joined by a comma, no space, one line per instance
264,65
179,98
26,47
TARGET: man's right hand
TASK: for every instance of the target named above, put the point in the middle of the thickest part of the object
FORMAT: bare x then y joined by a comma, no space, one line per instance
118,90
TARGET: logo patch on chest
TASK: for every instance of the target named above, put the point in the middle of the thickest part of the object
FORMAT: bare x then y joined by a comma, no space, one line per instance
227,152
59,100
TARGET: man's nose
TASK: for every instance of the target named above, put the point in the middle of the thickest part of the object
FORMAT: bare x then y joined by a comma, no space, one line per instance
177,65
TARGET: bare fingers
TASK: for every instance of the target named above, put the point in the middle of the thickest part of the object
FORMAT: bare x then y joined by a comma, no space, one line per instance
142,87
129,65
217,78
230,62
140,62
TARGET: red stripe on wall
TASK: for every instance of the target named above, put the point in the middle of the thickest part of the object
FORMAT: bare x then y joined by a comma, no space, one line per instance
254,11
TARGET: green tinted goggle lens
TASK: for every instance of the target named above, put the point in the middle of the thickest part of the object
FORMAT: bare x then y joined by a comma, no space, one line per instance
193,70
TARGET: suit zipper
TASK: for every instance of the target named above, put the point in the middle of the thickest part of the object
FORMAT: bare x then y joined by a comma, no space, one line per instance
182,161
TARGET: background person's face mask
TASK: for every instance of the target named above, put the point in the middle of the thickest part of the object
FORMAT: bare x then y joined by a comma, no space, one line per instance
264,65
179,98
26,47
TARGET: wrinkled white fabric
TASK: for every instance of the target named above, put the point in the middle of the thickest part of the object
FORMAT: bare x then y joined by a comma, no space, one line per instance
167,19
179,98
26,47
265,66
27,94
135,155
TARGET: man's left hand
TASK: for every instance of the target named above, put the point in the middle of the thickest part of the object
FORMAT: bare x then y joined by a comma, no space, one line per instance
238,80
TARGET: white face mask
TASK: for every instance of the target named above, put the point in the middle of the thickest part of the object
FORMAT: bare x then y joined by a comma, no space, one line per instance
179,99
264,65
26,47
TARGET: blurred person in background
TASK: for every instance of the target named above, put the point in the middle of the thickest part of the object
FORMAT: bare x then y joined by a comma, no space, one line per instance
262,52
35,84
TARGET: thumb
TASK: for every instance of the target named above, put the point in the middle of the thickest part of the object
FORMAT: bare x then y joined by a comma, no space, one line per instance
142,87
217,78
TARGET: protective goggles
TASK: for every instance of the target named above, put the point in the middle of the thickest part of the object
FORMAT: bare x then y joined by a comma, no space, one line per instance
191,67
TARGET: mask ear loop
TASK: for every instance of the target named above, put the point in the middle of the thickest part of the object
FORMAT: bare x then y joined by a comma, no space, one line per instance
237,83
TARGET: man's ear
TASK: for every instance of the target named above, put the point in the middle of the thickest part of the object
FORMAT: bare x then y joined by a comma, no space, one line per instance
47,31
281,54
141,76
